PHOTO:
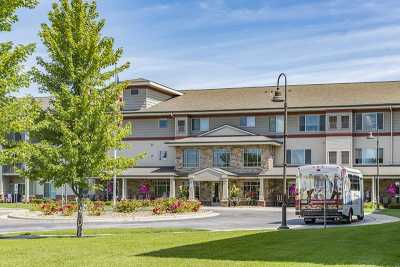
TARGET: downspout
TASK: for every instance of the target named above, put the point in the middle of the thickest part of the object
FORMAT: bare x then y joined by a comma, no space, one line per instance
391,135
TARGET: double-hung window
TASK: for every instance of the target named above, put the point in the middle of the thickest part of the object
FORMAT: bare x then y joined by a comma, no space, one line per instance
252,157
298,156
276,124
200,124
345,157
181,126
368,156
333,122
370,121
163,155
191,158
221,157
345,121
332,157
248,121
311,123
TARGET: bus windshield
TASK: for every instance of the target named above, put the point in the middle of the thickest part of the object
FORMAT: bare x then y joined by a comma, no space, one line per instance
312,187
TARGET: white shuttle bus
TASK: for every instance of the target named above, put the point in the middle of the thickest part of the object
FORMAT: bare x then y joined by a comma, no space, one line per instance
344,193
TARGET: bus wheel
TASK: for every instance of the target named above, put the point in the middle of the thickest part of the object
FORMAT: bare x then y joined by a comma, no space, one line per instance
360,217
350,217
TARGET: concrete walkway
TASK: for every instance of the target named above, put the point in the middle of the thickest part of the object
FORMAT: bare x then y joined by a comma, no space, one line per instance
228,219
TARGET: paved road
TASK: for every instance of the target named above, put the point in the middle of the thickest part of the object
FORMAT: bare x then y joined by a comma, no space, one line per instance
228,219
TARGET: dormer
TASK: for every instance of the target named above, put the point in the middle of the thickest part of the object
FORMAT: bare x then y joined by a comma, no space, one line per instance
142,94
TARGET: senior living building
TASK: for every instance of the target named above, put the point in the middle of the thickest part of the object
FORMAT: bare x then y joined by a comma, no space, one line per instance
204,143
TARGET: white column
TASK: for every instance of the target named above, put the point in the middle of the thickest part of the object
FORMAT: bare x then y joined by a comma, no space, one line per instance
225,189
124,188
2,197
172,188
26,190
373,187
261,192
191,189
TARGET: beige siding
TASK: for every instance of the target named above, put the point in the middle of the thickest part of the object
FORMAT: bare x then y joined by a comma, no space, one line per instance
396,121
384,142
338,144
317,146
154,97
152,152
134,102
150,128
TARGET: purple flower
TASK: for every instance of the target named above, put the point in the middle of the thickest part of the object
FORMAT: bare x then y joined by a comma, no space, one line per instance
392,189
144,188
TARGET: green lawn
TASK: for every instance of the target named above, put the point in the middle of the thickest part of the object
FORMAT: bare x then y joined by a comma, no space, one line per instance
29,206
366,245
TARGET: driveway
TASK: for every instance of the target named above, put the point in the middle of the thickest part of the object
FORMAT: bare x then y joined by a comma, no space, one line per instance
228,219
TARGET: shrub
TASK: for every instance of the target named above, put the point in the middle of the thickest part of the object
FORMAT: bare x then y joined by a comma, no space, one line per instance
368,205
69,209
37,201
49,208
128,206
95,208
175,206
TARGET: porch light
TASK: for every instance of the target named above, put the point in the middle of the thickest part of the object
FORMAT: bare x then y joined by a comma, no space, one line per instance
277,96
371,136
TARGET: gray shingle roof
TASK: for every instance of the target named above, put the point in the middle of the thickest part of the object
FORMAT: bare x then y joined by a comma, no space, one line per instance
300,96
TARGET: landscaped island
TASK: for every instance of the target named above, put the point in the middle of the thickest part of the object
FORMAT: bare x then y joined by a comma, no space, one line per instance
124,207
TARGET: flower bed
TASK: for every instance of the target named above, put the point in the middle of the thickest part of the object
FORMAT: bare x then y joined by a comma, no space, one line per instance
159,206
96,208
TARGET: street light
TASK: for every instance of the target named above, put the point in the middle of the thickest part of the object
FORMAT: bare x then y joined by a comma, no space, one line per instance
279,98
376,183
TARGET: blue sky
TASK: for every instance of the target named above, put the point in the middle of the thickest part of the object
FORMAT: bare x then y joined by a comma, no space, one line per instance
216,43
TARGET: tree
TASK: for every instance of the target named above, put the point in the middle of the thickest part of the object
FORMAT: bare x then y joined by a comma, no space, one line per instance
16,114
75,135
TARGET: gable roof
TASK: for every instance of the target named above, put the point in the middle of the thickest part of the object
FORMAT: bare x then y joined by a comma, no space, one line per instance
299,96
225,130
154,85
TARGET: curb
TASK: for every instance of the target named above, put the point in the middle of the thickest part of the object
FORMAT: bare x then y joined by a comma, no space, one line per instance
206,214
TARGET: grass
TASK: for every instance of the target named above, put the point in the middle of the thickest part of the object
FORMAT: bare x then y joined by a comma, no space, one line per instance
390,212
29,206
367,245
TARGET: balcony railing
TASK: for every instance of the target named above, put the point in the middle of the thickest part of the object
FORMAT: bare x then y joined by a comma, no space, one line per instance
12,169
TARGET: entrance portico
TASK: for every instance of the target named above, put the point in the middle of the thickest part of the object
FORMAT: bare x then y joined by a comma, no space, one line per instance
214,179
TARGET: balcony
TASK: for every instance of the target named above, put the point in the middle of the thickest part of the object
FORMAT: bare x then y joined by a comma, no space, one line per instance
12,169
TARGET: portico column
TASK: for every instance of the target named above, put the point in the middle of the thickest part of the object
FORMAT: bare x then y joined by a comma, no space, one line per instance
26,190
225,192
261,200
191,189
373,189
124,188
172,188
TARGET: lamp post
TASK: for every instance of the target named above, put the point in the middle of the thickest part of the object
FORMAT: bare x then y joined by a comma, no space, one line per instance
376,181
279,98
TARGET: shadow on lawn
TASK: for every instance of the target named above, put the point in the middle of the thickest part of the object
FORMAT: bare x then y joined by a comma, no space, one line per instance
369,245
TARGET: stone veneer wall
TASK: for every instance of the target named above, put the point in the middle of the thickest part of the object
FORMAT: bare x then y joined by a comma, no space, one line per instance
236,160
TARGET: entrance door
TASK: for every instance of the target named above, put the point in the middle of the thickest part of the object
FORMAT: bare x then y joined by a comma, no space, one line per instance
215,193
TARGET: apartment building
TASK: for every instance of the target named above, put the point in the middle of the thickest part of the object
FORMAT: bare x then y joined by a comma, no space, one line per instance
205,142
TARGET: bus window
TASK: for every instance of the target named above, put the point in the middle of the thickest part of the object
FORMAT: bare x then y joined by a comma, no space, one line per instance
354,182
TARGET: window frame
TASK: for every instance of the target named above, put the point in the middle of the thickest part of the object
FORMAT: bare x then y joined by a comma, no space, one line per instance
216,154
378,125
163,155
166,124
336,157
348,157
134,90
201,128
364,152
335,117
178,126
289,156
245,157
348,121
250,121
161,186
185,163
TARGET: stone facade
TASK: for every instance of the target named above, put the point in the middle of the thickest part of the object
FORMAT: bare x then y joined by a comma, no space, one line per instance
236,159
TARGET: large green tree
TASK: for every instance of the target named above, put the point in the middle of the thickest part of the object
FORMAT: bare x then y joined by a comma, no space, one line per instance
83,123
15,113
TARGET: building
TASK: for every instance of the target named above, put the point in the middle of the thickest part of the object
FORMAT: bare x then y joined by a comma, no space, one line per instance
205,142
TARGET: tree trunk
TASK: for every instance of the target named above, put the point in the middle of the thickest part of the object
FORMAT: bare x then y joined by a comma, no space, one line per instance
79,218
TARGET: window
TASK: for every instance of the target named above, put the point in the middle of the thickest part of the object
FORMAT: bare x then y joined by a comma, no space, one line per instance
162,124
276,124
369,121
345,157
221,158
354,182
190,158
332,122
311,123
161,188
181,126
47,190
345,121
201,124
332,157
251,189
298,156
134,91
163,155
252,157
248,121
368,156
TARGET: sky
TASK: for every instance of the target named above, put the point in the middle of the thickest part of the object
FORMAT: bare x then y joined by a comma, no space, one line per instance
231,43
